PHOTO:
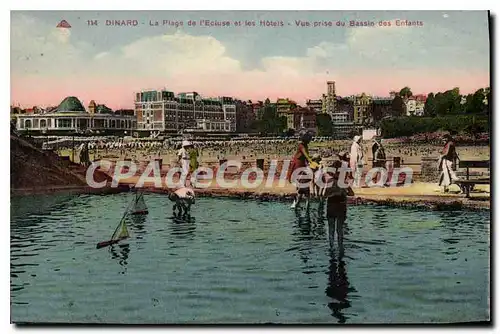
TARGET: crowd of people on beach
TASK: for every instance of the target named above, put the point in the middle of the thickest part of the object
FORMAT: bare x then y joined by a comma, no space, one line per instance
352,157
241,149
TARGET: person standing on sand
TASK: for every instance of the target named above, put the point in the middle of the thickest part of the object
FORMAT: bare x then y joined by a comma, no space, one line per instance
378,153
300,160
184,158
356,158
193,161
446,160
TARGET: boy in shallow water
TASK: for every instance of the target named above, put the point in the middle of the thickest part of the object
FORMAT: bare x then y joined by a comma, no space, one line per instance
183,197
336,203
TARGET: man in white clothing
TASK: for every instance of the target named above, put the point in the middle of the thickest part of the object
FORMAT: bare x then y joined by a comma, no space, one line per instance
183,158
356,159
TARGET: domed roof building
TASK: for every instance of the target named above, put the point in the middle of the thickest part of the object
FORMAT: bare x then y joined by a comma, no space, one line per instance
70,117
102,109
71,104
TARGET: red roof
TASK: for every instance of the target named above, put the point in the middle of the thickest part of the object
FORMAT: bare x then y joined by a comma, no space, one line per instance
420,97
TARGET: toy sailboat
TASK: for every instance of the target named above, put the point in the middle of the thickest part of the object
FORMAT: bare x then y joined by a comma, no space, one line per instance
139,207
121,232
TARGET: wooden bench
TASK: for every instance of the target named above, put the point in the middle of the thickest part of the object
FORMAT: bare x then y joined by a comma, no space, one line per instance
467,185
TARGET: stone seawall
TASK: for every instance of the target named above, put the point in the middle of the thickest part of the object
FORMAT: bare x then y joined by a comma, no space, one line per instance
421,202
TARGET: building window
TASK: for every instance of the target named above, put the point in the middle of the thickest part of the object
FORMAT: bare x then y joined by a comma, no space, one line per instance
64,123
43,123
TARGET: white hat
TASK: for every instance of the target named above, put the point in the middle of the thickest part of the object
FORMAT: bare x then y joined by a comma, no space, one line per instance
186,143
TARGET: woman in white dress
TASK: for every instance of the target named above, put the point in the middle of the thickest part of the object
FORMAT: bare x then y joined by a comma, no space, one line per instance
447,159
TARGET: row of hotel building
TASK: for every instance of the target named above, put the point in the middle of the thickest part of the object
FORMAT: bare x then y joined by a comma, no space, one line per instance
165,112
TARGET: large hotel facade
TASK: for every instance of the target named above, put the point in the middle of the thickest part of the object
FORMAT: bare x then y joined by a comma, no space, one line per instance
163,111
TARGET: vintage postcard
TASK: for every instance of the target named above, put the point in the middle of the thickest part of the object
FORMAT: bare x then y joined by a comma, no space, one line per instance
250,167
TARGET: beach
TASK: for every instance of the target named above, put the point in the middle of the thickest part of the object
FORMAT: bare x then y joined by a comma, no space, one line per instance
418,193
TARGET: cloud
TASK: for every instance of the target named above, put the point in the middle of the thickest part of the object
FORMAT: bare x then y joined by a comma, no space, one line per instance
50,64
38,49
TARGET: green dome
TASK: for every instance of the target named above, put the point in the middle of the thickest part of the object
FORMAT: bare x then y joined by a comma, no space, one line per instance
71,104
102,109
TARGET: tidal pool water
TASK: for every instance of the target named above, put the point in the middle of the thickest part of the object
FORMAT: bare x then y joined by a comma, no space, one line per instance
244,262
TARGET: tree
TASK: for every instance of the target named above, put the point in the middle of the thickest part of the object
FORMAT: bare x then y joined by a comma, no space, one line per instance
324,124
474,128
441,104
280,124
408,126
454,99
475,102
430,106
398,106
405,93
270,122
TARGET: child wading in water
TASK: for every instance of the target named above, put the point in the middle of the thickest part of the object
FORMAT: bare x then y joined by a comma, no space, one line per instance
301,159
336,205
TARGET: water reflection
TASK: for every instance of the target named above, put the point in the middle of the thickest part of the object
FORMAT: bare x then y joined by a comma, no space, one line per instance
321,208
338,287
380,218
26,242
137,224
183,225
309,224
309,228
120,252
310,282
25,206
462,230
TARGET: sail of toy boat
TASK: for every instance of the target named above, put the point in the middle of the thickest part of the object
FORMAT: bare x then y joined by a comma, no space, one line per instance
120,233
139,207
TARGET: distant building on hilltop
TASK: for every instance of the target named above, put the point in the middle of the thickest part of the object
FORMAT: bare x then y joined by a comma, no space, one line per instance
415,105
382,107
305,119
245,116
329,98
284,106
420,104
362,108
342,118
316,105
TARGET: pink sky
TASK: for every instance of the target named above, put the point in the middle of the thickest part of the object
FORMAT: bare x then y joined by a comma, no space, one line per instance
119,93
